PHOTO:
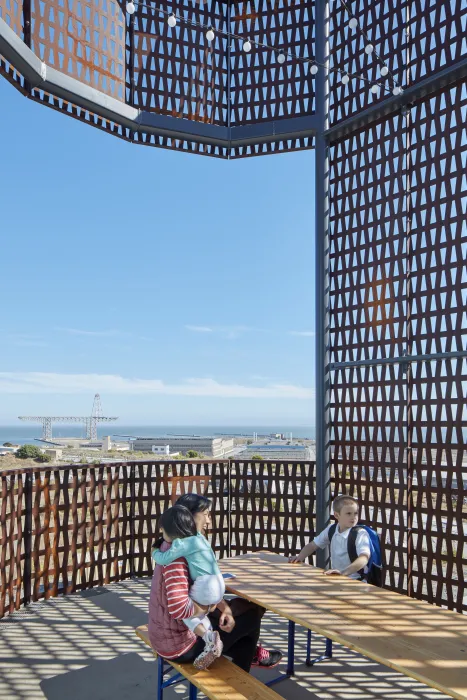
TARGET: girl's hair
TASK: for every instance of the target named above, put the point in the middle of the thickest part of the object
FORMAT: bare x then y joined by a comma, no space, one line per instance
194,502
177,522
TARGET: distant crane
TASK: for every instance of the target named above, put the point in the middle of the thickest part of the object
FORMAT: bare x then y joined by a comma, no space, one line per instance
90,422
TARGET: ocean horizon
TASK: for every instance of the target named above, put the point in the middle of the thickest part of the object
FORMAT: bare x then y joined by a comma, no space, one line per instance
30,433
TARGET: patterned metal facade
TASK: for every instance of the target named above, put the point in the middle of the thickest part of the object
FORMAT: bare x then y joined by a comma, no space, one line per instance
143,63
66,529
398,287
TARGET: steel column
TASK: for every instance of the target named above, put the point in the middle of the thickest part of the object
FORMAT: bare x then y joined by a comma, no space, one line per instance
323,476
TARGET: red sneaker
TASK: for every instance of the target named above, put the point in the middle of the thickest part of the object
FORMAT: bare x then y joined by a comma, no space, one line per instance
265,658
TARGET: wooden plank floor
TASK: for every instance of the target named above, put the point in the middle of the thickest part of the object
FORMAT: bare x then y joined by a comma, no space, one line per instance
410,636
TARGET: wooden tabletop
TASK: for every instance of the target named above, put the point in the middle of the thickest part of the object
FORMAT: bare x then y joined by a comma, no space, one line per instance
413,637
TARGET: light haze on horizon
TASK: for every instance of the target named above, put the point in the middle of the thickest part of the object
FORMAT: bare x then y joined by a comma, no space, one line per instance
179,287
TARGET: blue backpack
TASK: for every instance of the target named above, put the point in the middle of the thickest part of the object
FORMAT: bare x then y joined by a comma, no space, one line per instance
373,571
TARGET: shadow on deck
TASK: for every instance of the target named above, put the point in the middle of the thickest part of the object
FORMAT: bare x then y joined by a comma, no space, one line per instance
83,647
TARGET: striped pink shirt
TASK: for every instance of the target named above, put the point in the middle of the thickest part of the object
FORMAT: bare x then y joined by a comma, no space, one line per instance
179,604
169,605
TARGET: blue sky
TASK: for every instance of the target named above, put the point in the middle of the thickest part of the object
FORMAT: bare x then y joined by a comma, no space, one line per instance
179,287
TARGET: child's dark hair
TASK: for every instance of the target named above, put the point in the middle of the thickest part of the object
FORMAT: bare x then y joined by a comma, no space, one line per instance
176,522
194,502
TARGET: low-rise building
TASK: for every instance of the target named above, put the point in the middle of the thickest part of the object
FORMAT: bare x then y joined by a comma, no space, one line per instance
161,450
54,453
277,452
216,447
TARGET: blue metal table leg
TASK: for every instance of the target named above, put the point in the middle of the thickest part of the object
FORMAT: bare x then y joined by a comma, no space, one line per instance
290,658
327,654
291,649
160,677
193,692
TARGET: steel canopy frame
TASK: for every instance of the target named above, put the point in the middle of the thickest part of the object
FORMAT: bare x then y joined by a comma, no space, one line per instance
44,77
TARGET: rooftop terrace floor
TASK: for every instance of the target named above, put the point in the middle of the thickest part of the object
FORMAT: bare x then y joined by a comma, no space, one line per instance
83,647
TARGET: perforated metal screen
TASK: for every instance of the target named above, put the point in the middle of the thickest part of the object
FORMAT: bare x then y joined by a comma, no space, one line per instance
398,287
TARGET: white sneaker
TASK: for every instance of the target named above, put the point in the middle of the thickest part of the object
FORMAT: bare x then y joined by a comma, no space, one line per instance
210,653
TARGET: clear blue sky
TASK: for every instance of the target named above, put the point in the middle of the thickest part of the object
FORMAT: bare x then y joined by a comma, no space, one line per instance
179,287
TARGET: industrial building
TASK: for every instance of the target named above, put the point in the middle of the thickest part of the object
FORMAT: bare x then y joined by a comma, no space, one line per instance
216,447
279,452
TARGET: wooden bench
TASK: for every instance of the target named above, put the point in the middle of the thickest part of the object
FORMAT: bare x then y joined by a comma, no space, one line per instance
221,681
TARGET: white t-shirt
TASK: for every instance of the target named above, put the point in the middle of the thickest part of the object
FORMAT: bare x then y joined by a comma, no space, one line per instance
339,555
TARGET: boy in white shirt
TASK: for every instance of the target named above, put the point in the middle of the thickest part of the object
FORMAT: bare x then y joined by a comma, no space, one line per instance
346,513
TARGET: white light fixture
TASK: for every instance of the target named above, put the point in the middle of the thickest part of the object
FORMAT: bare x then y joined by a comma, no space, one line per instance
345,79
210,35
313,69
384,71
281,57
369,49
375,89
172,21
353,23
397,90
130,8
247,46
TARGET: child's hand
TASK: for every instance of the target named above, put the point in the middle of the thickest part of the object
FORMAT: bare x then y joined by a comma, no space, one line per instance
295,560
332,572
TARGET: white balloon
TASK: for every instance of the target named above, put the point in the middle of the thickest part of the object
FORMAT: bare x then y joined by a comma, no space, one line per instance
172,21
313,69
130,8
210,35
375,89
353,23
397,90
345,79
384,71
247,46
281,57
369,49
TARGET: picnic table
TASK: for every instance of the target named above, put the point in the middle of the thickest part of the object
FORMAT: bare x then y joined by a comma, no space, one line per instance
413,637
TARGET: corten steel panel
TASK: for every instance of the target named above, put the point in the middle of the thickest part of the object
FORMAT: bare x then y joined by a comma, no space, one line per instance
272,506
438,212
399,437
437,507
176,70
384,23
84,39
157,484
80,529
12,554
12,12
367,244
438,315
437,31
261,88
368,434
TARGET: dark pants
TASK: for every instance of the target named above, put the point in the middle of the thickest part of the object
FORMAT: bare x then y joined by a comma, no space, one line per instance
241,643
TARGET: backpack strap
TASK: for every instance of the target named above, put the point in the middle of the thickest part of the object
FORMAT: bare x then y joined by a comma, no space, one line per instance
352,542
332,531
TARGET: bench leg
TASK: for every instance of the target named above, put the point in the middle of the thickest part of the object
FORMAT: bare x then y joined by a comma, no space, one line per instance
193,692
160,677
291,649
